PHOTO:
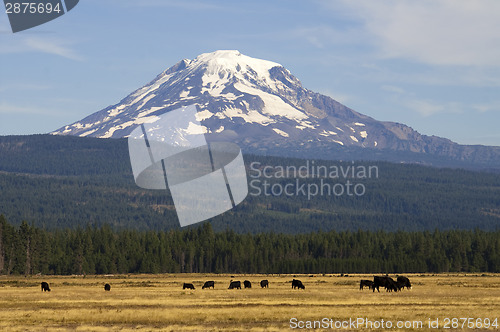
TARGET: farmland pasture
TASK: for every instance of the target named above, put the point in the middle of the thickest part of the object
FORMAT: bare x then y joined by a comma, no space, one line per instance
158,302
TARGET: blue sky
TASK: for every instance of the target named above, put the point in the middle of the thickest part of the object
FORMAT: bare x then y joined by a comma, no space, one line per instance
433,65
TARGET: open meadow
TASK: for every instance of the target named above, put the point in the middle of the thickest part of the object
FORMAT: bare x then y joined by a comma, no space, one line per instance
158,302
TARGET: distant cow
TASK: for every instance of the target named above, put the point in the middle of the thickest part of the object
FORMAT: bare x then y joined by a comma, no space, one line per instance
388,283
297,284
403,282
107,287
188,286
247,284
264,284
45,287
208,284
235,285
365,283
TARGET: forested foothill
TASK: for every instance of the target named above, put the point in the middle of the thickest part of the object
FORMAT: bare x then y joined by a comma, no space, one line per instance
70,206
59,182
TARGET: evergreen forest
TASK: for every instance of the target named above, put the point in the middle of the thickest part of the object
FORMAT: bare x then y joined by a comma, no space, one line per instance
100,250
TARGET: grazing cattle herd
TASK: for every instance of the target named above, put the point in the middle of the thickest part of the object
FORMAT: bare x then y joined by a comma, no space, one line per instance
387,282
378,281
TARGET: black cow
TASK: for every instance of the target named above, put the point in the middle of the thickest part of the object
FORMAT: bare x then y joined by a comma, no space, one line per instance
247,284
264,284
45,287
208,284
235,285
107,287
377,282
403,282
297,284
386,282
391,285
188,286
365,283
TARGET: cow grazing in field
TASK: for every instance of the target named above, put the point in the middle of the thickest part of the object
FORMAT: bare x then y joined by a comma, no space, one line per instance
391,285
208,284
107,287
247,284
264,284
235,285
297,284
377,282
403,282
365,283
45,287
188,286
387,282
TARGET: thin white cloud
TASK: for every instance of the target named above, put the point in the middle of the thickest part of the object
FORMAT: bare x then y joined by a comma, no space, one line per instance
408,100
24,87
428,108
27,110
393,89
46,45
52,46
424,107
323,36
487,107
189,5
437,32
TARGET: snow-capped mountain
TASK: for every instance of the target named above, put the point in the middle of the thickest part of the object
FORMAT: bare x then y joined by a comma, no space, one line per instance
259,104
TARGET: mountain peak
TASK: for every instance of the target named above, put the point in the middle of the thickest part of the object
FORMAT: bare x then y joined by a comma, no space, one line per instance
221,54
232,61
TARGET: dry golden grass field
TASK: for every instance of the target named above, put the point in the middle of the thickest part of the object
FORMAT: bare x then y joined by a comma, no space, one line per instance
158,302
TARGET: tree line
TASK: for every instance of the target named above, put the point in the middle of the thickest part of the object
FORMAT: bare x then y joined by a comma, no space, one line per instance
101,250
